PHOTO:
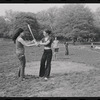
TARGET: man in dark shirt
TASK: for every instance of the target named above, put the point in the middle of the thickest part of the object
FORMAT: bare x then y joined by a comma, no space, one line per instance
66,48
45,65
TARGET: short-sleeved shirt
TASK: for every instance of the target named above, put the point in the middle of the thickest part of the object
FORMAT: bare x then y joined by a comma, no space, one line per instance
55,44
45,40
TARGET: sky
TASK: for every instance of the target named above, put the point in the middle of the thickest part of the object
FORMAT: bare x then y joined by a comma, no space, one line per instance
37,7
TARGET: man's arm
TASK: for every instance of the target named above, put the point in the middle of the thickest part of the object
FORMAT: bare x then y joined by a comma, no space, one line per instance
31,42
25,43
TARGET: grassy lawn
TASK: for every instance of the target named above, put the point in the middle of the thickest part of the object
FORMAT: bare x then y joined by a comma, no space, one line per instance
78,53
9,85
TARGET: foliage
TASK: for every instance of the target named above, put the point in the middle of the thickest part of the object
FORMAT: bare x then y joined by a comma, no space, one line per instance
73,21
3,27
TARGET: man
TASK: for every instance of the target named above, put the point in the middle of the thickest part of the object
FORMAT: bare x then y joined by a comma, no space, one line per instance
55,46
66,48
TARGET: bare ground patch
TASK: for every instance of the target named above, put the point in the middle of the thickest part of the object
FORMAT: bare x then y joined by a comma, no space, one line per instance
68,79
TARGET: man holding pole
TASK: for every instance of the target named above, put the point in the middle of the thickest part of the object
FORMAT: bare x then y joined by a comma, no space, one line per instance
18,39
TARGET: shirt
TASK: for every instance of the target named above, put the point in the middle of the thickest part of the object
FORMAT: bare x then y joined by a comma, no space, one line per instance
19,47
55,44
45,40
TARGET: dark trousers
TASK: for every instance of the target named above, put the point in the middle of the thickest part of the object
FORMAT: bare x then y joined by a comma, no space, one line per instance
66,51
45,65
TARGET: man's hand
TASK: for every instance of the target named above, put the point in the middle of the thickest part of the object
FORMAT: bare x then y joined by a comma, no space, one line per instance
33,40
37,44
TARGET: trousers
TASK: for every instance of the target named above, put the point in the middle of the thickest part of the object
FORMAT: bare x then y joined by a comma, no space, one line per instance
45,64
22,60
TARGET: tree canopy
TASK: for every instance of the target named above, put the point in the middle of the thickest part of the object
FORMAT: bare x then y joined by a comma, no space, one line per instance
73,21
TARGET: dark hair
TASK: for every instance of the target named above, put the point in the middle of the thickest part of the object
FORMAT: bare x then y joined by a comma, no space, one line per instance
47,31
17,33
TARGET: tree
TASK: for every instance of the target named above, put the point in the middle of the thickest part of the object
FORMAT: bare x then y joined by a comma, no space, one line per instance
96,24
10,18
74,18
22,20
3,28
46,19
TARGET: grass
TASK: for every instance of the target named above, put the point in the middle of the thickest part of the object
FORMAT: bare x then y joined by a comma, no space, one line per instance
78,53
9,85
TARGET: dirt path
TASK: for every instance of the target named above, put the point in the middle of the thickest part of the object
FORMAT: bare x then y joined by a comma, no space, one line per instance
57,67
68,79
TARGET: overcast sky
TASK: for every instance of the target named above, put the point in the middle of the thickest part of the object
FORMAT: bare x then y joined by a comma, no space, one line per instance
36,7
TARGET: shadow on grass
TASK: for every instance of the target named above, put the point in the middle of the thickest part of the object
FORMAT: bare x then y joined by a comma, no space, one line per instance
31,76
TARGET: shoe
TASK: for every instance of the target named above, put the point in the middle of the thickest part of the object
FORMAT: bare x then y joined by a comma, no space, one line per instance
45,78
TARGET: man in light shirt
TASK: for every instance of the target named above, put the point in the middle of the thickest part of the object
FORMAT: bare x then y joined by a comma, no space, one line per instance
55,46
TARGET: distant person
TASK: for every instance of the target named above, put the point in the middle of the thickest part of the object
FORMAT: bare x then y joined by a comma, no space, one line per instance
45,65
92,46
73,41
55,46
66,48
18,39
